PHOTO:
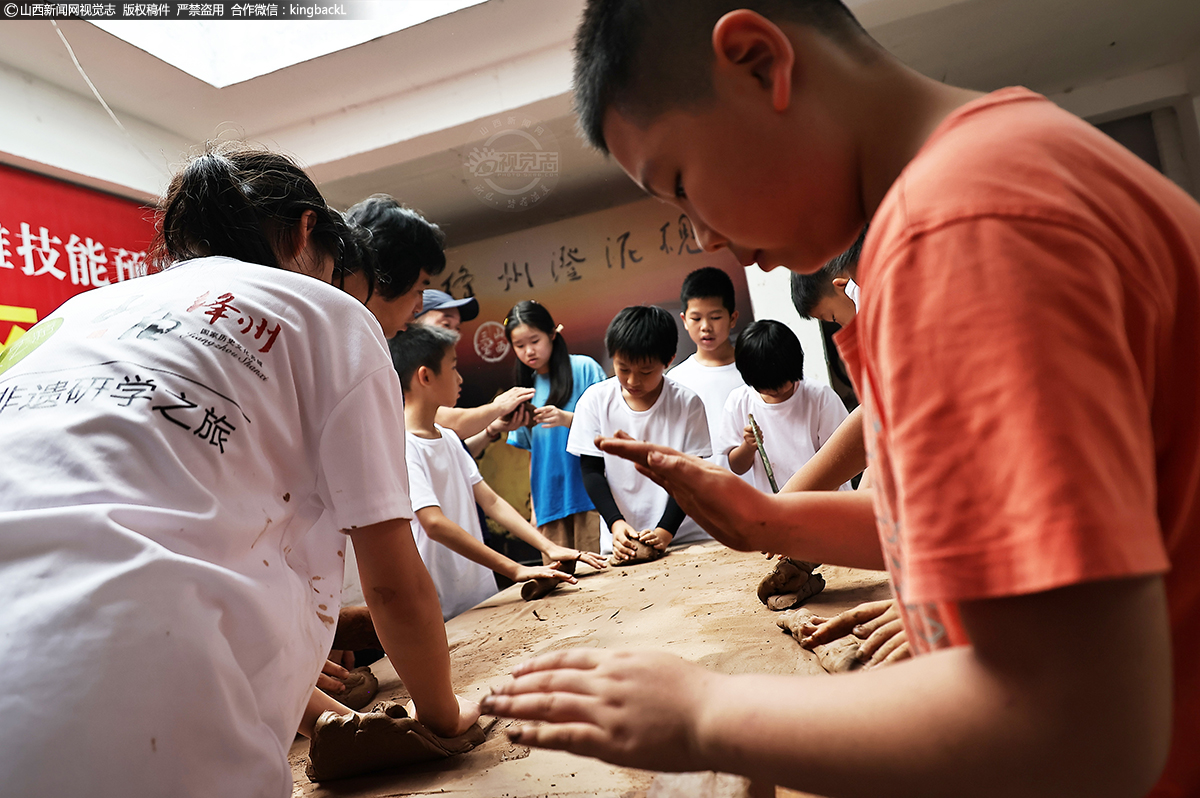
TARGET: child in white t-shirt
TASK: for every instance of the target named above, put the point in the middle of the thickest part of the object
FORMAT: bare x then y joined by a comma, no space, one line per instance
708,317
445,485
794,417
638,400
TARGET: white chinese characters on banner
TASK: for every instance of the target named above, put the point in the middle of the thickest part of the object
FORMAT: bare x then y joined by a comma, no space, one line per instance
37,252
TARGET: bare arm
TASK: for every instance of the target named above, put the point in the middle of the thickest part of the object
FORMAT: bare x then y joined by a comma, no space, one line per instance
405,611
1044,702
836,527
842,457
469,421
454,537
495,430
741,457
505,514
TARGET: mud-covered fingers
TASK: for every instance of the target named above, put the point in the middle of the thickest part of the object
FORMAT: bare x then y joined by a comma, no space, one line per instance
335,670
593,559
872,617
900,652
878,638
330,684
577,738
576,658
887,649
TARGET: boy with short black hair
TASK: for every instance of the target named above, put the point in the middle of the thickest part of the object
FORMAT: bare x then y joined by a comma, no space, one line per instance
794,417
830,294
639,400
1026,350
445,484
709,315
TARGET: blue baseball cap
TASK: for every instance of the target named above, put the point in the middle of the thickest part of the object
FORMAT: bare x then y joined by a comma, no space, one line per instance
433,299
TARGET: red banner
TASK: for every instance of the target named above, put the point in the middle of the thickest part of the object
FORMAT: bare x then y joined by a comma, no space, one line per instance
58,240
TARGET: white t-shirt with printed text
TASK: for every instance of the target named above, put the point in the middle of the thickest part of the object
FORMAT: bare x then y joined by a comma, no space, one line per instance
443,474
676,419
169,589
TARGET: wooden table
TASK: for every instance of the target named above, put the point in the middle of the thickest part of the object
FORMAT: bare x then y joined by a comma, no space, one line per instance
697,602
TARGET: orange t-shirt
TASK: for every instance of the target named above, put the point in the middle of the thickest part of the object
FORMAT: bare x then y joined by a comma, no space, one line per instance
1027,351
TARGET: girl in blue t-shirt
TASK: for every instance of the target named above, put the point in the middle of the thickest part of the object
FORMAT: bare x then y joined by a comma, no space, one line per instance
561,508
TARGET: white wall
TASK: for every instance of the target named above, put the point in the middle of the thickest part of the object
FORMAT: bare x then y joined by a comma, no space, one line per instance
771,298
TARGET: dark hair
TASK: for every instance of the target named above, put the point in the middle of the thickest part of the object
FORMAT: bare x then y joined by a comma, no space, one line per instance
420,345
643,57
245,202
642,332
809,289
768,354
404,241
707,282
562,382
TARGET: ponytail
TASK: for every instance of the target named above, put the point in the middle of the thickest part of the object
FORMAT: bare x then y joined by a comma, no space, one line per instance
562,381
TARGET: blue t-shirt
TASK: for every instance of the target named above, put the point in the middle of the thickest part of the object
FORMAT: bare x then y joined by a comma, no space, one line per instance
554,476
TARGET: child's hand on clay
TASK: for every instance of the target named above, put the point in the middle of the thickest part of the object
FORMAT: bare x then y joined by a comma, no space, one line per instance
332,677
623,537
876,622
468,715
562,553
632,708
343,657
524,573
657,538
551,416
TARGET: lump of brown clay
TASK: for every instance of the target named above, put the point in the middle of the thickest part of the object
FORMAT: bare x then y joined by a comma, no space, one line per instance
813,584
788,576
361,689
352,745
537,588
836,656
644,554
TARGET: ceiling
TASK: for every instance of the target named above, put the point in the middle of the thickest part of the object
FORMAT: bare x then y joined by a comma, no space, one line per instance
398,114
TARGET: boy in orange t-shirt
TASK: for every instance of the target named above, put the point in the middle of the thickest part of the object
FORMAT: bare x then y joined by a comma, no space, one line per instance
1026,349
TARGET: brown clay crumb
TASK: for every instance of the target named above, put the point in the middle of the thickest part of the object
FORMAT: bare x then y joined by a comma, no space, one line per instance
318,578
154,744
323,606
266,563
325,619
341,554
287,497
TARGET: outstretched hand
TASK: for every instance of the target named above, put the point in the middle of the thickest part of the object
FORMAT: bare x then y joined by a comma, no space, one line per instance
526,572
513,397
631,708
563,554
727,507
876,623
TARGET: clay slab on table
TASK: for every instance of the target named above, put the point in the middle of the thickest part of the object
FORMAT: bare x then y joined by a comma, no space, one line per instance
699,603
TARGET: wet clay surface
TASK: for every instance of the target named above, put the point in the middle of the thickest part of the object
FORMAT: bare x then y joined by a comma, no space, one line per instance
700,603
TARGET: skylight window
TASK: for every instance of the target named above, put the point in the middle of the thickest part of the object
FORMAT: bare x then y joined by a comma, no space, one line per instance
225,52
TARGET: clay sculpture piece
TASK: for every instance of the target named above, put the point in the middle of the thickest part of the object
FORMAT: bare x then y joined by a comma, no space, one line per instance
385,738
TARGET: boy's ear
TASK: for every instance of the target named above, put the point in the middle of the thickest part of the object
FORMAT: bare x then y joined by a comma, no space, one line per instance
744,39
732,319
840,283
422,375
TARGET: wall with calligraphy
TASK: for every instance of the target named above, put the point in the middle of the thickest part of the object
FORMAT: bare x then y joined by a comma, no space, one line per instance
59,239
584,270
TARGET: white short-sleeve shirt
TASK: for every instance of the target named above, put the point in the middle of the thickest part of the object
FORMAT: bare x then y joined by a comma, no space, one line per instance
170,589
712,384
676,419
443,474
792,430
